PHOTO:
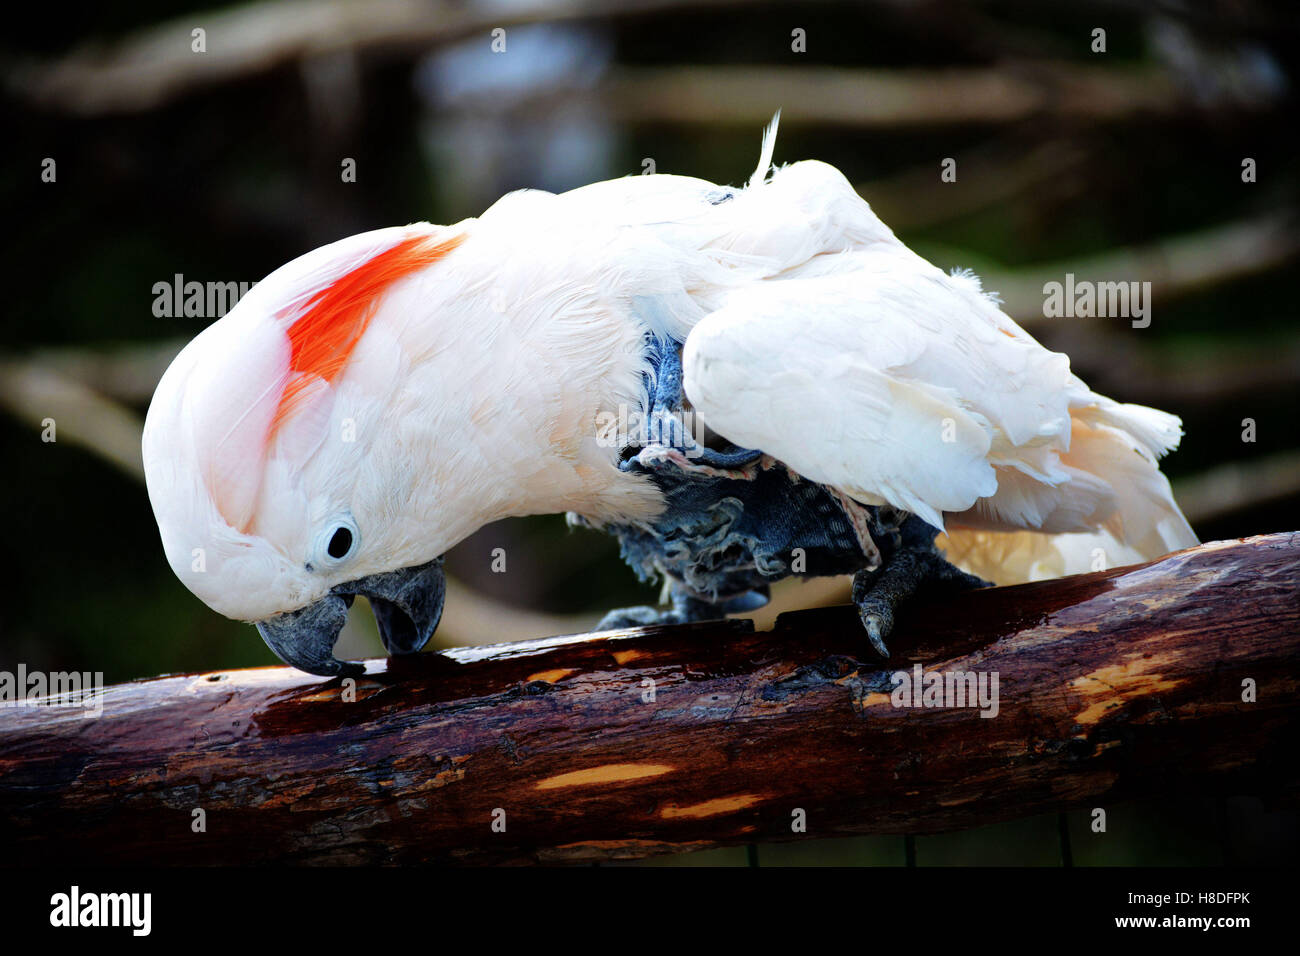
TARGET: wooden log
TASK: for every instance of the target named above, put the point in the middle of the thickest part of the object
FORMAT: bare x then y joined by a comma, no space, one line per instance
1112,685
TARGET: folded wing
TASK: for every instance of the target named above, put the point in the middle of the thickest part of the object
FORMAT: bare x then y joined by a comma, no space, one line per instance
877,374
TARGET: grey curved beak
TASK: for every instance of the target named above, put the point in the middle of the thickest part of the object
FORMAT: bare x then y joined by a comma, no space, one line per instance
407,605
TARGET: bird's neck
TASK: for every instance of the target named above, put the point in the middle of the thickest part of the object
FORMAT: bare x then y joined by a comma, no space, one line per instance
519,432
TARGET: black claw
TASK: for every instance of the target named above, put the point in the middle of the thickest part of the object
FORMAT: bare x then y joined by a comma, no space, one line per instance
879,593
641,616
686,608
878,623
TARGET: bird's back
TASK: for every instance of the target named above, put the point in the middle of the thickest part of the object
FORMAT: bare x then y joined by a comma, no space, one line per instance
812,333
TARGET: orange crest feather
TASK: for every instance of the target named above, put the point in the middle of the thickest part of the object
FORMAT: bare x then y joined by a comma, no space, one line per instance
322,337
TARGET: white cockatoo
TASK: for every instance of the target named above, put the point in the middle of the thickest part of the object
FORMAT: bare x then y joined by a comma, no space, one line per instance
742,384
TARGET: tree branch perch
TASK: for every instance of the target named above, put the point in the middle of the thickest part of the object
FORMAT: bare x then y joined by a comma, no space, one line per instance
1113,685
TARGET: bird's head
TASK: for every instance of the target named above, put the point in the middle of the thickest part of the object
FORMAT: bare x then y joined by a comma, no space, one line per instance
280,479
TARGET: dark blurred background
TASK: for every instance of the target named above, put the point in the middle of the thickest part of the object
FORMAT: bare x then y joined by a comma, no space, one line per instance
222,165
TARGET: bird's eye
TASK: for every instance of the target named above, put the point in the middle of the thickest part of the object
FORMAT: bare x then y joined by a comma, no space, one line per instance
335,543
340,544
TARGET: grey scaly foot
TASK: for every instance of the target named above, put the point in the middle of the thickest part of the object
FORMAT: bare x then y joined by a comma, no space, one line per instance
642,615
879,593
669,429
685,609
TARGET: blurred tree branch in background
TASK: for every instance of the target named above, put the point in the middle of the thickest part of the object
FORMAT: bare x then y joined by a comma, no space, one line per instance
898,97
153,66
1175,267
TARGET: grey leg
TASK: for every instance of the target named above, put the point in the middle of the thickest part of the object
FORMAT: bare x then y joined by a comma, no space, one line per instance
665,406
879,593
685,608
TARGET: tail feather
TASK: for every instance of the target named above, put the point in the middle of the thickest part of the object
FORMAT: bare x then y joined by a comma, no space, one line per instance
1155,432
1144,523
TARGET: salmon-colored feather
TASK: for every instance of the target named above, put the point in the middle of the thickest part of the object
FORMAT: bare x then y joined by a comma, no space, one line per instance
328,327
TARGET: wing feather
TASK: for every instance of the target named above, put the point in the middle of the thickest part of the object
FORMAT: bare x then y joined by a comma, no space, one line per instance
862,382
897,384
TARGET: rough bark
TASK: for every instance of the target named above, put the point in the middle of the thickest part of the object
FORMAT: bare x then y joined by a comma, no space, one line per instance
1111,685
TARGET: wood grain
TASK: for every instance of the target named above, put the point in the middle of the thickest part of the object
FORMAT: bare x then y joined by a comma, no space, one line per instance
1112,685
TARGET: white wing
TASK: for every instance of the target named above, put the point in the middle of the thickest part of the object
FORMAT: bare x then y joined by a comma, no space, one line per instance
884,384
876,374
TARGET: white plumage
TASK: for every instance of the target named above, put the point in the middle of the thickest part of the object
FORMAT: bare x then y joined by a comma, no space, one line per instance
836,349
809,331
